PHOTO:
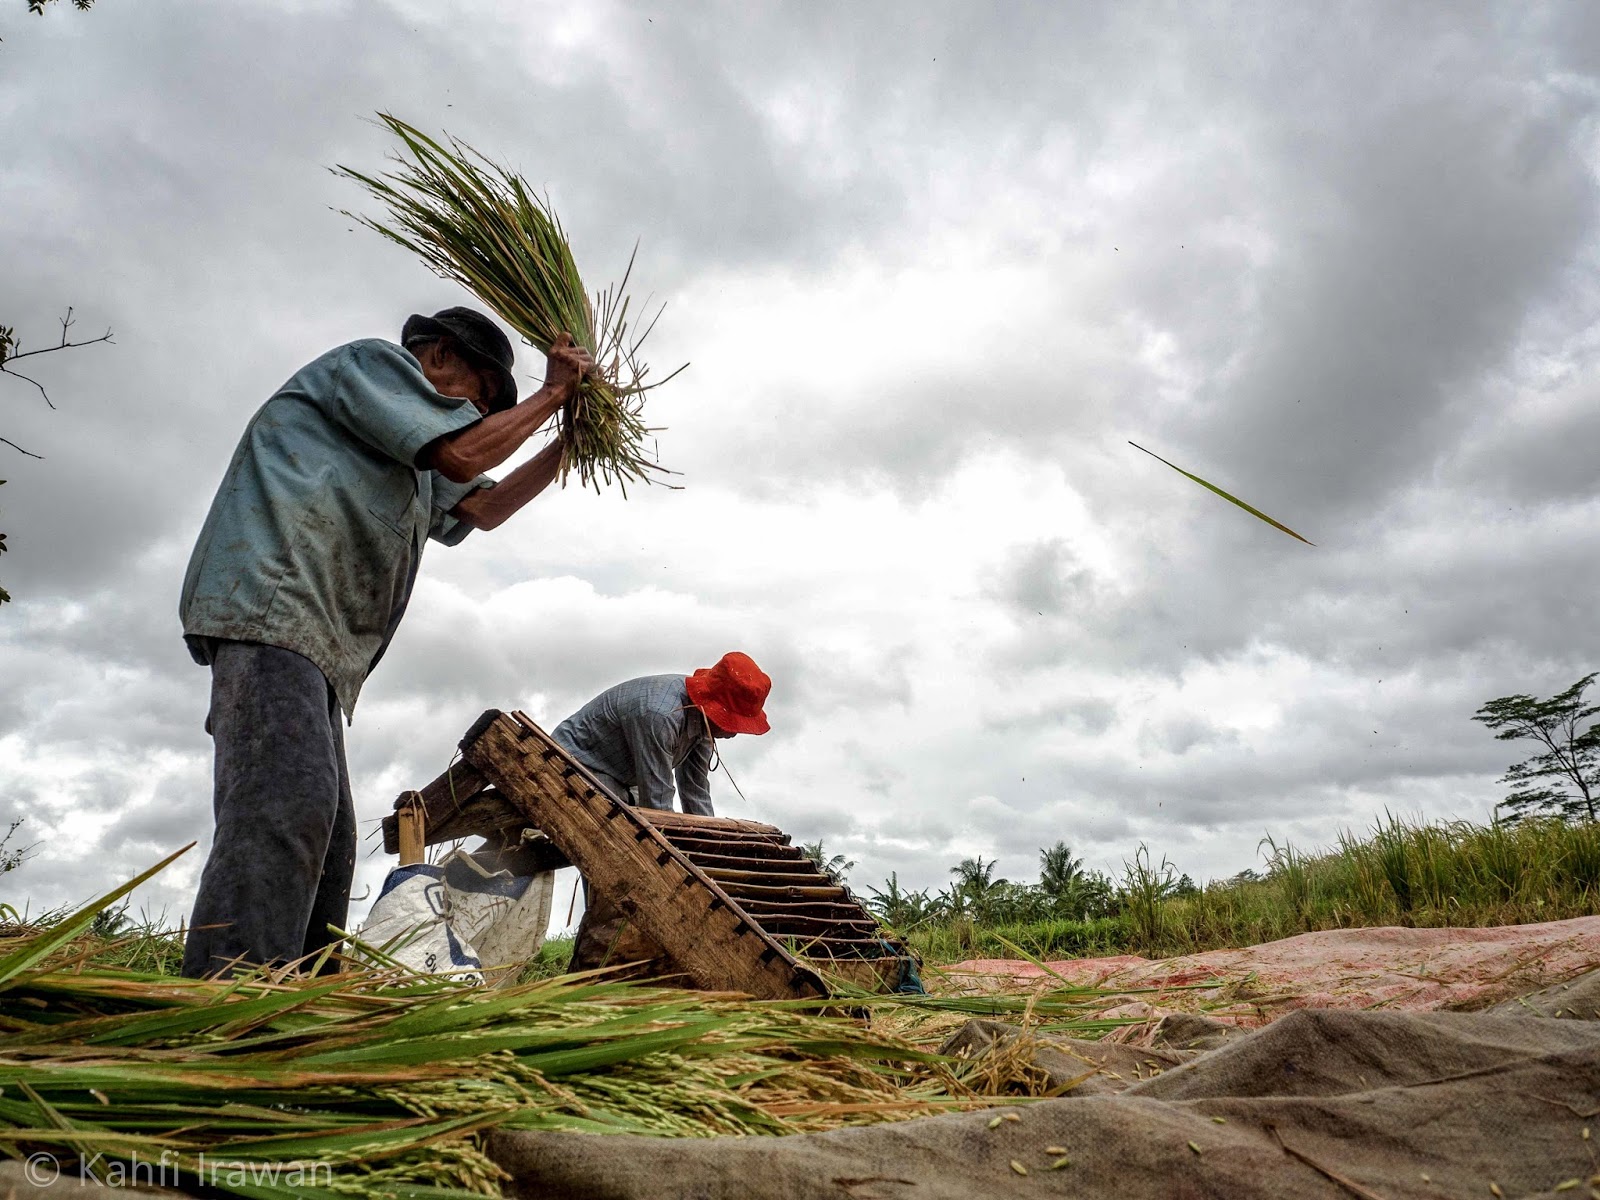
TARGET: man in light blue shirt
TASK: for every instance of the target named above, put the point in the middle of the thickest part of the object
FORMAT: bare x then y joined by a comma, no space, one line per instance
299,579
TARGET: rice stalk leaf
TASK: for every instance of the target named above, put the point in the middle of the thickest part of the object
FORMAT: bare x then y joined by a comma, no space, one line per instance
362,1142
36,949
1254,512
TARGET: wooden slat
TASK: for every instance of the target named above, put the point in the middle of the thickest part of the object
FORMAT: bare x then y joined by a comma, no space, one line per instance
738,887
458,783
801,908
731,849
625,856
691,823
787,868
820,943
742,876
768,852
813,926
766,849
826,912
722,837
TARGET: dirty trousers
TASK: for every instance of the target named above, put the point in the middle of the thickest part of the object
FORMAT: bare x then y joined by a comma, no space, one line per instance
284,851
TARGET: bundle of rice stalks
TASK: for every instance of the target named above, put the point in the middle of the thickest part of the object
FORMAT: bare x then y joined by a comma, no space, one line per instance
474,221
378,1083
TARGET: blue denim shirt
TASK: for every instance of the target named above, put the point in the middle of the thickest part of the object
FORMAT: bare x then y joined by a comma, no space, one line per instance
642,734
314,537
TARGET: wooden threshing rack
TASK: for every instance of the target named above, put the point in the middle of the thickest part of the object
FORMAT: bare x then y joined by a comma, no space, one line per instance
733,906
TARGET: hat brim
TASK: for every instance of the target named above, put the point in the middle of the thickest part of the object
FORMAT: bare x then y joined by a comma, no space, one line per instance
418,325
720,714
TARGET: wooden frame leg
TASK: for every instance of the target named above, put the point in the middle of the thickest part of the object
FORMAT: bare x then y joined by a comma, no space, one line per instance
412,821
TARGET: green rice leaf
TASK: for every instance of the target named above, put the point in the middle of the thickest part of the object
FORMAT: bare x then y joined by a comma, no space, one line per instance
1231,499
36,949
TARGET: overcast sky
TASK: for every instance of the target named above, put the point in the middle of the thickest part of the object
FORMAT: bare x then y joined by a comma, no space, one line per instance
933,265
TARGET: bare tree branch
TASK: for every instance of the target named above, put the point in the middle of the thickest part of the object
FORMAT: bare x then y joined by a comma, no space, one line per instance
10,352
28,379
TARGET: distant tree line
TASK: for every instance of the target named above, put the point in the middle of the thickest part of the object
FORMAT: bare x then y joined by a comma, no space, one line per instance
1065,891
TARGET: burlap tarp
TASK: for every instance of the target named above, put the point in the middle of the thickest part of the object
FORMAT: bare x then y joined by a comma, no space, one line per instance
1322,1103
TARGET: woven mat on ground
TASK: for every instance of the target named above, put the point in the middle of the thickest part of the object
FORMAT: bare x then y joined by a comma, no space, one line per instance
1321,1104
1408,969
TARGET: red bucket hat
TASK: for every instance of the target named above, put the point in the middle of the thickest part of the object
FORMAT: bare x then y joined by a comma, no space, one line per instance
732,693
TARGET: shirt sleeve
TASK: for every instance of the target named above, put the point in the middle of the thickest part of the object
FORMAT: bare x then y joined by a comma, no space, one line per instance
443,527
694,780
381,396
652,736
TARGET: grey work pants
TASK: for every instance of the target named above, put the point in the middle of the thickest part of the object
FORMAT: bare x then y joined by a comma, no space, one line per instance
285,846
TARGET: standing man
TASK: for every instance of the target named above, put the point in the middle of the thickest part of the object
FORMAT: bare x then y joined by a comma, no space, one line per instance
637,738
299,579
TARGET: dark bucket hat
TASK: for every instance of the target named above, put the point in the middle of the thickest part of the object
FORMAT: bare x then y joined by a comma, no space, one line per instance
479,337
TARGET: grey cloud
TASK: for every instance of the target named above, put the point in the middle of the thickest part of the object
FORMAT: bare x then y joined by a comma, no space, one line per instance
1178,736
1042,578
1092,716
1334,261
1438,236
1537,451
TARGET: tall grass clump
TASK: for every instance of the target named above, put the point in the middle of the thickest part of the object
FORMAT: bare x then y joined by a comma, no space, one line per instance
476,222
1399,872
1144,888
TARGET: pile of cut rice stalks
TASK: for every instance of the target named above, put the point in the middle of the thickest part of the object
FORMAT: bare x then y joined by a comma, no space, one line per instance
476,222
377,1083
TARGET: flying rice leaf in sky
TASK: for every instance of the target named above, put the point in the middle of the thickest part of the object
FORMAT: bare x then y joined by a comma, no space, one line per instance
1254,512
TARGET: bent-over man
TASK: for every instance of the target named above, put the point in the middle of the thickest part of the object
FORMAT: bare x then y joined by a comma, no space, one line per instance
299,579
640,737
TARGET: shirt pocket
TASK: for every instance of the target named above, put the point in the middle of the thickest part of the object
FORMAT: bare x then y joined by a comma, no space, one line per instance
397,507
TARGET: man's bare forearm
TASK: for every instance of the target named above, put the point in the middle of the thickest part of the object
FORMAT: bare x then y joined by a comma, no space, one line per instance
482,446
487,508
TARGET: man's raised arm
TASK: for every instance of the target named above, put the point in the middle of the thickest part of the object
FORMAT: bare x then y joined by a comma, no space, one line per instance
488,507
485,444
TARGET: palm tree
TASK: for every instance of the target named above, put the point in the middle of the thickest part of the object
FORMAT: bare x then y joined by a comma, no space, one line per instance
1059,873
904,910
889,903
836,867
976,884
